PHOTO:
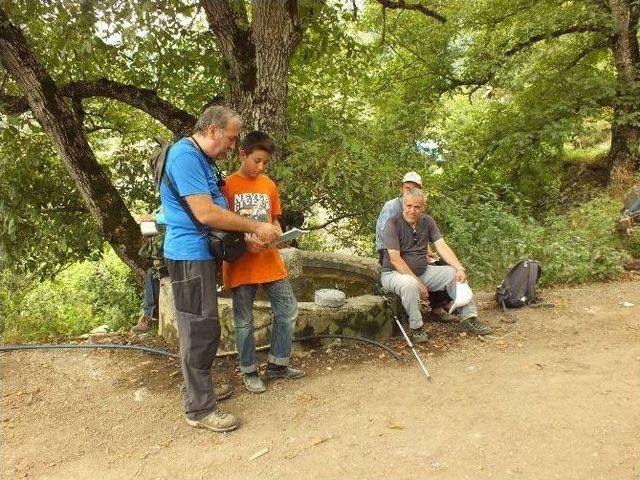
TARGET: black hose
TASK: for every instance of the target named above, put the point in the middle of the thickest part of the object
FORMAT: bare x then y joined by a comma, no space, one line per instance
113,346
119,346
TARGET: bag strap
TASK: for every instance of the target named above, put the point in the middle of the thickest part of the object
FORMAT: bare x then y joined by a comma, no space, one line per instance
533,279
184,204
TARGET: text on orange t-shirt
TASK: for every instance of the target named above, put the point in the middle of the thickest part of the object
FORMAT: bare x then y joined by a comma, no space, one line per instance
256,198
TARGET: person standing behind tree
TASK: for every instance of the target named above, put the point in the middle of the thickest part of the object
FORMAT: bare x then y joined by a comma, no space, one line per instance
251,193
152,249
192,268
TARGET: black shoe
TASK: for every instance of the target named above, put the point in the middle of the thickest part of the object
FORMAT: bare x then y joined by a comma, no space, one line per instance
272,373
445,317
473,325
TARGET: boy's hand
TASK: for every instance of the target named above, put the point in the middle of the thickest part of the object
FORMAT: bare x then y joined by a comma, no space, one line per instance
266,232
254,245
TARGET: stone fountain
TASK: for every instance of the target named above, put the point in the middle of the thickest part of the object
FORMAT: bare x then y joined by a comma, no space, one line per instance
362,314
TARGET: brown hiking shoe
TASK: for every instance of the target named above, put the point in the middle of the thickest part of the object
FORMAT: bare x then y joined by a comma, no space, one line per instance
223,391
143,325
216,421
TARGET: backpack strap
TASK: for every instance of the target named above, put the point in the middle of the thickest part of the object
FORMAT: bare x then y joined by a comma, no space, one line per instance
533,280
184,204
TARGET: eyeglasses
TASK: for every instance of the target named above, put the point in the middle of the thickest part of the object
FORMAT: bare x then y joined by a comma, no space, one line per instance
415,238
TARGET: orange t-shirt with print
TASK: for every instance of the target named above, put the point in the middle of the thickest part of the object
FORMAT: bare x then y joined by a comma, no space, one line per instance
256,198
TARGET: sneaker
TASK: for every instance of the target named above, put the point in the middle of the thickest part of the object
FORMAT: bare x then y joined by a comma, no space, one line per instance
216,421
254,383
473,325
143,325
272,373
223,391
418,335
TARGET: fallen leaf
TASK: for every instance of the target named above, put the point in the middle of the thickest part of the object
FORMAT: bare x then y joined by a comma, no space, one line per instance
395,426
318,440
259,453
627,304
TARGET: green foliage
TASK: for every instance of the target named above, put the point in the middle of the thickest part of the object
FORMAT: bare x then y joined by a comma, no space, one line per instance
83,296
632,244
579,246
486,234
582,246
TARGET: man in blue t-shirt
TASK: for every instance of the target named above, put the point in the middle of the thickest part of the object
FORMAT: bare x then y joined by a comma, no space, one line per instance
189,166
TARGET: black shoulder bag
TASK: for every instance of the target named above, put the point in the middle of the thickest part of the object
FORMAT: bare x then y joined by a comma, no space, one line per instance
223,244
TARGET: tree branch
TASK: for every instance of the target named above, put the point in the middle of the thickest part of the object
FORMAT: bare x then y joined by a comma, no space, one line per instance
175,119
558,33
338,218
400,4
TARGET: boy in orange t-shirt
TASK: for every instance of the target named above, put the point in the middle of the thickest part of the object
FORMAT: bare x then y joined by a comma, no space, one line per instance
252,194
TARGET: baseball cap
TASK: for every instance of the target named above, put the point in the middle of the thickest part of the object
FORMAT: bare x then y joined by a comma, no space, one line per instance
463,296
412,177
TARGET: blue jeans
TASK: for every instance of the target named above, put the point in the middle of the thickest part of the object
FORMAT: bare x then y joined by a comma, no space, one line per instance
284,311
150,299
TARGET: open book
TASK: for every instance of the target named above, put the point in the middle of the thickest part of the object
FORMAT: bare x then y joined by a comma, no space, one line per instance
288,236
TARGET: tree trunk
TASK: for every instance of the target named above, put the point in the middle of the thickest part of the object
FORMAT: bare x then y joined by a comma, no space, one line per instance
65,130
257,57
624,155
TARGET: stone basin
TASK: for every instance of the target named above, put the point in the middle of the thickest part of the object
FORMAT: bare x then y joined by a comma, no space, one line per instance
363,315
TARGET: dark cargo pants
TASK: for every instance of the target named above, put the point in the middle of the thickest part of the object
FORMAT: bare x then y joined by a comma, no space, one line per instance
194,291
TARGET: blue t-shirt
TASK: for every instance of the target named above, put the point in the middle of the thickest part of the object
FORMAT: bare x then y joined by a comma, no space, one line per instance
390,209
188,169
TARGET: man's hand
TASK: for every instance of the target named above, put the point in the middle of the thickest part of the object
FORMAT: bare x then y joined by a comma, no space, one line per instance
461,275
254,245
267,232
432,257
424,293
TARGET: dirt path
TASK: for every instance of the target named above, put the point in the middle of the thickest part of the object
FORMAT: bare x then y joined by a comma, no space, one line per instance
554,393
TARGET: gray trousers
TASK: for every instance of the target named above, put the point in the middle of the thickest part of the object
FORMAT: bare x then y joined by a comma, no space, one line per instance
435,277
194,291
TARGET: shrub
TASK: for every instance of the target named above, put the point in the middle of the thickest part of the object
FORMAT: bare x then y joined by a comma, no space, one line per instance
83,296
576,247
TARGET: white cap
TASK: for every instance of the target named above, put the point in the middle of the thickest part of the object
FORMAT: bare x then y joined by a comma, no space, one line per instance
412,177
463,296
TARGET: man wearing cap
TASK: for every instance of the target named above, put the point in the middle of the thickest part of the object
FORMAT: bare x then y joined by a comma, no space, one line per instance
407,272
393,207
